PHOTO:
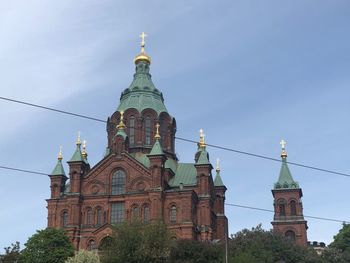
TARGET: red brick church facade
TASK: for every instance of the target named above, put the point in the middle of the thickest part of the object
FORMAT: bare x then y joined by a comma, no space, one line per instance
139,177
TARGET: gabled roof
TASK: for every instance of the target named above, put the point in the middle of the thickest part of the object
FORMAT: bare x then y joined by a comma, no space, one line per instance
186,174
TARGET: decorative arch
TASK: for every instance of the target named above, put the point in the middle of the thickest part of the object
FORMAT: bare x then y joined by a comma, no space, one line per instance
64,218
91,245
290,235
293,207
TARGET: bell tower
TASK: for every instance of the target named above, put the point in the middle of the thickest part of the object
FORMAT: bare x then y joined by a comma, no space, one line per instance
288,219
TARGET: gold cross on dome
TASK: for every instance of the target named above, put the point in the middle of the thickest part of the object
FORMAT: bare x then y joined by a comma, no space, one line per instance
143,36
283,144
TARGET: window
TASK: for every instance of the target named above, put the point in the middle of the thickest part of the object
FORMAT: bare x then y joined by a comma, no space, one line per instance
290,235
99,216
89,217
132,130
91,245
118,183
65,218
173,214
293,208
135,213
117,213
282,209
148,130
163,126
146,214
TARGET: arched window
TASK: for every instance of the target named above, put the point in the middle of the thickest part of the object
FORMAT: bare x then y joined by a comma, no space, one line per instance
99,216
91,245
173,214
65,219
148,130
89,217
290,235
163,132
135,213
118,182
132,130
293,208
146,214
282,207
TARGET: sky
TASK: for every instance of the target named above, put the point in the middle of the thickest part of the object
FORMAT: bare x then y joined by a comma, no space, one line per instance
250,73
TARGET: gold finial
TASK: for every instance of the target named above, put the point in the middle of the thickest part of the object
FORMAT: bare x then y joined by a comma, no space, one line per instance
84,153
157,136
142,56
60,157
218,165
121,125
201,139
78,139
283,145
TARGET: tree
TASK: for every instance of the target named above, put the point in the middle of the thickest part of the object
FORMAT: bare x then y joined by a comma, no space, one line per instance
12,253
136,243
258,246
189,251
84,256
47,246
342,239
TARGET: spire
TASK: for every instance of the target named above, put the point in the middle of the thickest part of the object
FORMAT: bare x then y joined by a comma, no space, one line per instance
84,153
285,179
203,155
58,170
121,126
218,181
77,156
283,146
142,56
201,143
157,147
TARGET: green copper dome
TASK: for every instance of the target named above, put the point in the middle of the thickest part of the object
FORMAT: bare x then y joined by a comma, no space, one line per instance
142,94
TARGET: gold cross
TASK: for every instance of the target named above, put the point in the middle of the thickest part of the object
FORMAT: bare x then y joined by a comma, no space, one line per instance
283,144
143,35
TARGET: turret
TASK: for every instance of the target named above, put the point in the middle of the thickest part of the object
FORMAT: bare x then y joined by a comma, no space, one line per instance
288,219
157,160
58,177
120,141
78,166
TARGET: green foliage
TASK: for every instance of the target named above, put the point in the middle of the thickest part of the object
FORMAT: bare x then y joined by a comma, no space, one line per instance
47,246
258,246
188,251
12,253
342,239
136,243
84,256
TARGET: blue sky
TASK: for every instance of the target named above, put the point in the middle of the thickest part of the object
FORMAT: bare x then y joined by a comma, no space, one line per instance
248,72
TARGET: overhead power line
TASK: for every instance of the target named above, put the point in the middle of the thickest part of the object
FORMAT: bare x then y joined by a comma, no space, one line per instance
228,204
272,211
182,139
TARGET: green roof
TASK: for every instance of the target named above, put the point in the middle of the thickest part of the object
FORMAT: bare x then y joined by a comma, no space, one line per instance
142,94
218,181
157,149
171,164
77,156
186,174
58,170
285,179
203,158
142,158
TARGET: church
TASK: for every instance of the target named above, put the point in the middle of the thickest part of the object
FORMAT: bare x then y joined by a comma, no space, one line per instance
140,176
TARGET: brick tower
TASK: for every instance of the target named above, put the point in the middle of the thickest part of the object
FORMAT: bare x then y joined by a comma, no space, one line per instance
288,219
